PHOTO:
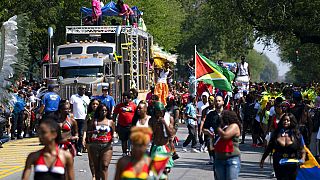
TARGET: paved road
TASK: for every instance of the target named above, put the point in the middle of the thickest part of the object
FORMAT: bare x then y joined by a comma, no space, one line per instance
189,166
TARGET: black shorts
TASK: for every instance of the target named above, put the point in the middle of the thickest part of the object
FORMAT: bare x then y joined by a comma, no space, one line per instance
123,132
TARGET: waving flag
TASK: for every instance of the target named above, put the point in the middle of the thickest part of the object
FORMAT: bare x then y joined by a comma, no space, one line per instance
211,73
310,170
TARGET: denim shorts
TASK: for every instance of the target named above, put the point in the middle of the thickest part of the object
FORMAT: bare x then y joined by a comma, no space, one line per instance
228,169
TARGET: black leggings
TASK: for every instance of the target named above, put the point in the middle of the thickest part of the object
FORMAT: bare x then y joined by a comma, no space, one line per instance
284,172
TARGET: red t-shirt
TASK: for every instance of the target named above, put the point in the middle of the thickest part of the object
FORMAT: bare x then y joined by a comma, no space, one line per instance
126,113
185,98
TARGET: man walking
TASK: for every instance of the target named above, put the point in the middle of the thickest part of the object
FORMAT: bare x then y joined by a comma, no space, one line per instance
106,99
80,104
201,105
191,115
125,112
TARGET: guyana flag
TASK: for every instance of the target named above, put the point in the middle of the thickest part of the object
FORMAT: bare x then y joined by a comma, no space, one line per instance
158,164
211,73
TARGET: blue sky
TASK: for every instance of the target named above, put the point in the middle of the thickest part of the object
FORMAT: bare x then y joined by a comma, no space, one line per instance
273,54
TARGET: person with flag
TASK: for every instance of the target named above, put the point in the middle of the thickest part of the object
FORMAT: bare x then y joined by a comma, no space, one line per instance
164,130
288,150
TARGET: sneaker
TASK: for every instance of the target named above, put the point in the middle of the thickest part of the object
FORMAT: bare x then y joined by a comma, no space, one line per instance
202,148
184,149
79,154
175,156
1,145
124,154
209,163
194,150
205,150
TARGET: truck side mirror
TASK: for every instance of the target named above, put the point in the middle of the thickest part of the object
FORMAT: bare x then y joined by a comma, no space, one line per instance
111,56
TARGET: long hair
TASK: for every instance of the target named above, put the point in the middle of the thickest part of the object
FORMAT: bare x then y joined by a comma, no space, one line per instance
293,129
230,117
97,114
90,110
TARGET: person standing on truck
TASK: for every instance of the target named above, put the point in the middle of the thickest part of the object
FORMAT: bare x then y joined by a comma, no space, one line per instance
96,12
161,88
106,99
79,108
50,102
127,13
243,73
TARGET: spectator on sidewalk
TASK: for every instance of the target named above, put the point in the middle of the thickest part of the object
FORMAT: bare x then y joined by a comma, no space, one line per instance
17,119
50,102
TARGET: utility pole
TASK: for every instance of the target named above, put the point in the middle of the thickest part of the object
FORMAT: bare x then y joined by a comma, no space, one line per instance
50,35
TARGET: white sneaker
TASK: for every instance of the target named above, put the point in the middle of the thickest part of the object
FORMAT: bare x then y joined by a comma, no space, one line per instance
184,149
205,150
194,150
79,154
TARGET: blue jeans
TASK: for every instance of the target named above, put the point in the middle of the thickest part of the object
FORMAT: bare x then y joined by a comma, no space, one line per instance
4,138
227,169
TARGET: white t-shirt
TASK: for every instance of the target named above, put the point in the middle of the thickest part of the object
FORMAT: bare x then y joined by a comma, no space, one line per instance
272,111
80,105
257,106
201,107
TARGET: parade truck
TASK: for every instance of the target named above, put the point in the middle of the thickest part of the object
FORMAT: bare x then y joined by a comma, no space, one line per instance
93,55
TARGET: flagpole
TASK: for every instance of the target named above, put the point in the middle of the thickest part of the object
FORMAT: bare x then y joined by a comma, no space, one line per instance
195,69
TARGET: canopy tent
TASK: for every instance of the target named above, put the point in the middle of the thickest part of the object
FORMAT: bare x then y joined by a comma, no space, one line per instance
109,9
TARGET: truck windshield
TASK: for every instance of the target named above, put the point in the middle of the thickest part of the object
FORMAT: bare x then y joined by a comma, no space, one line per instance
70,50
100,49
72,72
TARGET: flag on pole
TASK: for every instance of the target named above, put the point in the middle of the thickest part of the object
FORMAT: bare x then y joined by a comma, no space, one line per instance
310,169
46,58
211,73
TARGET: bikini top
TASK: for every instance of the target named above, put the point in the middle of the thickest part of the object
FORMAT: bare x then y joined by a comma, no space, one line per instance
129,172
66,125
102,133
42,171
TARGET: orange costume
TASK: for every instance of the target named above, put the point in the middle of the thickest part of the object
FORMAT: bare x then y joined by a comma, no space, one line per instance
161,89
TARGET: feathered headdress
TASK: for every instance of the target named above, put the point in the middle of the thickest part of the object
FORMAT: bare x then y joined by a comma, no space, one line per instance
9,50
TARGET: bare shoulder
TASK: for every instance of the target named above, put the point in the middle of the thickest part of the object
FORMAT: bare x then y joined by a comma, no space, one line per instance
32,157
65,155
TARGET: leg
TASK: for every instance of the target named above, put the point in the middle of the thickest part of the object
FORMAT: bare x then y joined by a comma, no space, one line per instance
189,138
106,159
194,136
220,170
233,168
94,156
244,129
124,145
14,121
91,162
80,123
20,124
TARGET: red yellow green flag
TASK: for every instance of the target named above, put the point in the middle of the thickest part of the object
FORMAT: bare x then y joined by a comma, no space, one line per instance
211,73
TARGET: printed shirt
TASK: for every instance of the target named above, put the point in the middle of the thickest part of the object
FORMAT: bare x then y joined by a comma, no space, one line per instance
191,111
51,102
107,100
126,113
80,105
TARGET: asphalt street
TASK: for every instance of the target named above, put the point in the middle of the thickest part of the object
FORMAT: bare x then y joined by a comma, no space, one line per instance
190,166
